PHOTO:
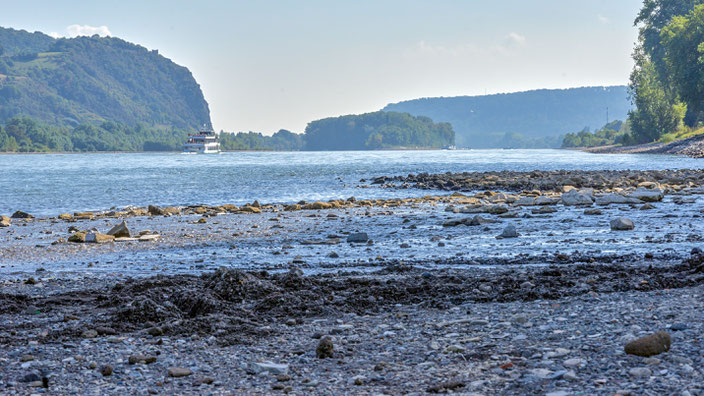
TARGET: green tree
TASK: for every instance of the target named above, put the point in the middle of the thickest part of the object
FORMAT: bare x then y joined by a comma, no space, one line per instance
683,42
657,111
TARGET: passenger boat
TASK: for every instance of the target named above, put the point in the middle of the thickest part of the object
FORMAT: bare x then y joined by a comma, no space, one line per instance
204,142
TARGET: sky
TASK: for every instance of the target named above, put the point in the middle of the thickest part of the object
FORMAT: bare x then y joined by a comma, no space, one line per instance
270,65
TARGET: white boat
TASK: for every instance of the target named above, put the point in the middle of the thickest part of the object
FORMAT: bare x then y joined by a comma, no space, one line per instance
204,142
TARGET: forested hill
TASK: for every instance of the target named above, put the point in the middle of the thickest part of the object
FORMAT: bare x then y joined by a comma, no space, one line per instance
522,119
378,130
90,80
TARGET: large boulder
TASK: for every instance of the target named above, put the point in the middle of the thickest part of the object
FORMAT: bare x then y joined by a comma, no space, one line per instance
652,344
574,197
120,231
509,232
96,237
21,215
647,195
622,224
616,199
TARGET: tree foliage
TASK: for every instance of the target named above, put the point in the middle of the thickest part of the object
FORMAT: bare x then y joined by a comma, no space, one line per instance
611,133
26,135
282,140
667,82
378,130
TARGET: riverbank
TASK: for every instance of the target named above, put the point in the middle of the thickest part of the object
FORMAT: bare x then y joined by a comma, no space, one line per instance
509,283
691,147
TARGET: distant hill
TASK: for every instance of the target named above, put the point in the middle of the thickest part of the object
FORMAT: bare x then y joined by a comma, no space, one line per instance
378,130
529,119
91,80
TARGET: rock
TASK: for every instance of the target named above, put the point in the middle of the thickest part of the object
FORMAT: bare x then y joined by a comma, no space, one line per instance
21,215
89,333
491,209
143,359
78,237
325,348
5,221
202,220
177,372
358,237
640,372
650,345
106,370
616,199
96,237
647,206
317,206
333,255
592,212
155,331
273,368
574,197
172,211
454,349
574,362
120,231
647,195
64,216
622,224
292,208
359,380
545,209
148,237
155,210
525,201
509,232
250,209
26,358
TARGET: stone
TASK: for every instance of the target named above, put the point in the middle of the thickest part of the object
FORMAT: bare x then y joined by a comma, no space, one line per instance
574,197
271,367
250,209
317,206
574,362
325,348
155,210
640,372
78,237
647,206
155,331
21,215
509,232
5,221
148,237
650,345
292,208
454,349
106,370
358,237
647,195
26,358
614,198
96,237
64,216
143,359
622,224
592,212
89,333
120,231
177,372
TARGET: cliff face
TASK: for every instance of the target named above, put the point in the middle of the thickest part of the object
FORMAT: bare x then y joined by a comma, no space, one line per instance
95,79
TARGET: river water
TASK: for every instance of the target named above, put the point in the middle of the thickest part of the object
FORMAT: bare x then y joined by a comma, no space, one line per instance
49,184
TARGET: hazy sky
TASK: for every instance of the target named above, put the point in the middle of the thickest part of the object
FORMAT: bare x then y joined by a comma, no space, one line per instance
267,65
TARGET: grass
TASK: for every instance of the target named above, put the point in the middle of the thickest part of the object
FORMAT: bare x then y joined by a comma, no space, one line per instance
682,133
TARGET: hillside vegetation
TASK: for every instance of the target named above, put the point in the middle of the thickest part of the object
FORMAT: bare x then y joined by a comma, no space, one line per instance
91,80
378,130
524,119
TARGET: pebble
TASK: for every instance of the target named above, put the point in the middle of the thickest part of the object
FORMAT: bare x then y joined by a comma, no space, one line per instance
178,372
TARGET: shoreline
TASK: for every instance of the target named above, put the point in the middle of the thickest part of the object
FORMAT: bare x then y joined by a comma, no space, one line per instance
691,147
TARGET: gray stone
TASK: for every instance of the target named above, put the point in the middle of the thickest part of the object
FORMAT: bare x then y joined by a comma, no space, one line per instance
358,237
509,232
640,372
120,231
271,367
622,224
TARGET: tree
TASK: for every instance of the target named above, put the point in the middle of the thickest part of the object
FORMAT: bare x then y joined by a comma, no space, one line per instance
657,111
683,42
